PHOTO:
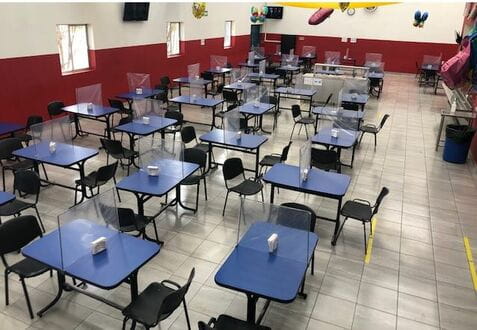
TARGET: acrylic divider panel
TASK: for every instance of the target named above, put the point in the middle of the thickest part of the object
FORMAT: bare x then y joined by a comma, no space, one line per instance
239,75
372,60
137,82
161,157
52,135
259,51
255,95
251,58
308,51
332,57
193,71
196,91
304,161
431,60
262,67
91,94
147,108
218,62
289,60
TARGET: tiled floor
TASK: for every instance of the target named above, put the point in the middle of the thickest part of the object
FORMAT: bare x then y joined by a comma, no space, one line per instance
417,278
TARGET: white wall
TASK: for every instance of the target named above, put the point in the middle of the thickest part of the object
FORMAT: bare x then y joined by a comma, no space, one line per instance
28,29
393,22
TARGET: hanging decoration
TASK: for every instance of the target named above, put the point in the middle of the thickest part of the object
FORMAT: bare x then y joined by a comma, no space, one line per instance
199,9
258,14
343,6
319,16
420,19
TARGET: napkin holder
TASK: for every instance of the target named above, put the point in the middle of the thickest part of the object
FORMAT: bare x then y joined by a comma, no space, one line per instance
239,135
334,133
272,242
52,147
153,170
146,120
98,245
139,91
89,106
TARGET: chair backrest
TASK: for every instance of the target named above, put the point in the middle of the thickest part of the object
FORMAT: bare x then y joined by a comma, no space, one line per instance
350,106
207,75
220,88
117,104
229,96
196,156
32,120
27,182
55,108
203,326
112,147
382,194
9,145
232,168
188,134
175,115
17,233
296,112
283,215
165,80
286,149
106,173
124,120
175,298
383,121
126,217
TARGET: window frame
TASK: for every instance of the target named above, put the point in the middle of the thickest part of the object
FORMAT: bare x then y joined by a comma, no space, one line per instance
230,39
168,39
70,49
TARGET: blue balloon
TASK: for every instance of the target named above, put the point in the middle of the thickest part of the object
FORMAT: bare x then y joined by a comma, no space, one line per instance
417,15
424,16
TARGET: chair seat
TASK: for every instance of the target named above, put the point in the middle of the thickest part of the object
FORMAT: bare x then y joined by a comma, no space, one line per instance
270,160
247,187
14,207
191,180
126,154
202,146
146,307
140,222
25,164
306,121
324,159
369,129
89,180
29,268
24,137
225,322
355,210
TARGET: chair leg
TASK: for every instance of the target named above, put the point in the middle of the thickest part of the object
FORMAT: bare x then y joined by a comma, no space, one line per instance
225,204
306,132
124,323
293,129
3,178
7,300
375,140
44,171
205,188
117,190
313,264
186,314
39,218
76,194
261,191
107,158
133,325
361,138
365,243
27,297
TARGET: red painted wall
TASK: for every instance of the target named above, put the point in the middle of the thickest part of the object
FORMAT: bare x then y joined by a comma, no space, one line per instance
399,56
28,84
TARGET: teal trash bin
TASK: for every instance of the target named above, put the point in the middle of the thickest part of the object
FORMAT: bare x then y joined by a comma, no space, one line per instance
457,144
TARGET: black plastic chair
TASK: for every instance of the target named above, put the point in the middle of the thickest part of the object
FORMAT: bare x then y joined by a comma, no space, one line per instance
216,91
226,322
116,150
55,109
11,163
272,159
298,119
230,97
25,136
14,235
26,183
232,169
166,82
361,210
118,104
131,222
274,101
350,106
157,302
188,135
371,128
177,126
284,218
325,159
199,157
96,179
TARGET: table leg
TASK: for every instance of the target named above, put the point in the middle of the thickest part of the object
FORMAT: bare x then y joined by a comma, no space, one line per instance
439,132
251,308
61,283
82,176
180,88
337,224
213,118
76,121
257,160
108,126
272,194
133,286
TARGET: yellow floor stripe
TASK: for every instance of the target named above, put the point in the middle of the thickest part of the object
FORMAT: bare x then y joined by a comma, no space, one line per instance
367,256
468,252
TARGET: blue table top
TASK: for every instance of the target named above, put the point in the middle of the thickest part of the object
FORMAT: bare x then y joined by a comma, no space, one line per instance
96,111
355,98
219,71
319,182
289,68
332,112
137,127
255,109
6,197
375,75
146,93
263,75
187,80
346,138
65,154
240,86
219,136
199,101
108,269
172,172
296,91
250,268
8,128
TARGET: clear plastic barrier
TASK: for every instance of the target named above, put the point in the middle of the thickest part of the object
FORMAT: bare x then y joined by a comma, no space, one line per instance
218,62
196,91
48,136
193,71
308,51
82,228
289,60
160,157
281,231
89,94
231,124
431,60
239,75
259,51
251,58
305,161
256,94
138,81
373,59
147,107
262,66
332,57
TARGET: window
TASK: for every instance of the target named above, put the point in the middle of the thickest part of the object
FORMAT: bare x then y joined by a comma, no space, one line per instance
173,38
228,34
72,41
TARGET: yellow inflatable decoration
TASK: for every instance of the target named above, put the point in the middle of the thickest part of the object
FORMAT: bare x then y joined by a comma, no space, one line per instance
198,10
335,5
